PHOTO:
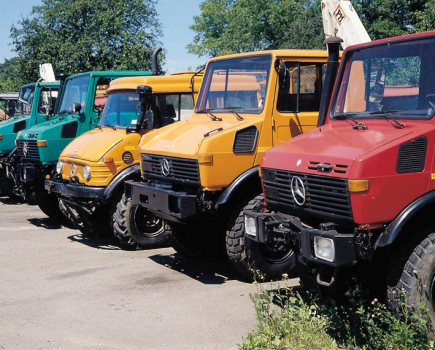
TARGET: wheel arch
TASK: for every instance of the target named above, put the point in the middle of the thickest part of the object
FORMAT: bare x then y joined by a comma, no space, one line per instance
414,212
119,180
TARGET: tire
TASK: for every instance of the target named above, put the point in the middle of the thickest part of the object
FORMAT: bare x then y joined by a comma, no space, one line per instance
6,185
137,228
49,204
251,258
417,280
202,239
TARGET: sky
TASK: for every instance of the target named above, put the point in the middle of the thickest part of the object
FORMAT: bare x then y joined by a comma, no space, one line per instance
175,17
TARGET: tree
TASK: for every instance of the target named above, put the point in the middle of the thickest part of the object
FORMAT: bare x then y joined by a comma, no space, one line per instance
10,75
230,26
85,35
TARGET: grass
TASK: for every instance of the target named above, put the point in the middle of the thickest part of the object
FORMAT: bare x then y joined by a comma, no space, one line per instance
288,319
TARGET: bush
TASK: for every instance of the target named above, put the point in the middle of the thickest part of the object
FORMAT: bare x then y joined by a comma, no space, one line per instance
288,319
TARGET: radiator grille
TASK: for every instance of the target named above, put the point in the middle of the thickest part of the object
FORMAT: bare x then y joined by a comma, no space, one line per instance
28,149
325,196
171,168
412,156
245,140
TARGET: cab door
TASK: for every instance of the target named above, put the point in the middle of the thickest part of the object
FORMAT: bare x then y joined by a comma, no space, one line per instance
296,111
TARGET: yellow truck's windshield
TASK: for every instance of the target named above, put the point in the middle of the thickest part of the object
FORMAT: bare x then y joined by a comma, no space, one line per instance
121,109
235,84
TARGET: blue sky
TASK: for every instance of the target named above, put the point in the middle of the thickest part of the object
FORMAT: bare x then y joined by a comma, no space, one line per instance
175,16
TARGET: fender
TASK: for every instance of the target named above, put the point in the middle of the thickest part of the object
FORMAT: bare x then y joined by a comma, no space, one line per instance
119,179
232,188
394,228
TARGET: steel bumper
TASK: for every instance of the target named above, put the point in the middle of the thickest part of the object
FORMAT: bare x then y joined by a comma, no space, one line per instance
167,204
302,238
70,190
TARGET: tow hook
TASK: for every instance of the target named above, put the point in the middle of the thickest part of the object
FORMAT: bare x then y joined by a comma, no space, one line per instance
321,276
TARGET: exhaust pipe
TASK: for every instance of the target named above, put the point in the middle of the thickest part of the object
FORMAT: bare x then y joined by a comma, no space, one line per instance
333,44
62,76
155,67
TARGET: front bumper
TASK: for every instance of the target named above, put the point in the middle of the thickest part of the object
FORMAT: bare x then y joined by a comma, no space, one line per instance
73,190
167,204
302,238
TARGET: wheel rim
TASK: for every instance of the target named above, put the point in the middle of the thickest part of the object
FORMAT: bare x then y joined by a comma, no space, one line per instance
149,225
276,253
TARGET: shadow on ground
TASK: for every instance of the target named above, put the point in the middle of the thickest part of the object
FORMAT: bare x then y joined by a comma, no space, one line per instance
216,272
105,243
11,201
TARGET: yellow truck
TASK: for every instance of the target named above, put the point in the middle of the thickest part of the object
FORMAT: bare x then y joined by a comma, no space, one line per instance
199,174
92,169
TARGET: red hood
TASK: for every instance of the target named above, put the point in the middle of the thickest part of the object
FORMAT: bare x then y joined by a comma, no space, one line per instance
337,144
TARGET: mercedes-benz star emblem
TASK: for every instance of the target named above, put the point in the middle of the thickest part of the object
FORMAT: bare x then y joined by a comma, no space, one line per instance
298,190
166,166
25,149
73,170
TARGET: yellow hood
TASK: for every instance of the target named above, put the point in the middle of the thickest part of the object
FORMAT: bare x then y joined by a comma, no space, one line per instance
184,138
94,144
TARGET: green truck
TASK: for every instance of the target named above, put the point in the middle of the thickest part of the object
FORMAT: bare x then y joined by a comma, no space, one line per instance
82,98
35,101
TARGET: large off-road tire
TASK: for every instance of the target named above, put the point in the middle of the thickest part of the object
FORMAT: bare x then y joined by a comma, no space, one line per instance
202,239
137,228
49,204
416,281
6,185
251,258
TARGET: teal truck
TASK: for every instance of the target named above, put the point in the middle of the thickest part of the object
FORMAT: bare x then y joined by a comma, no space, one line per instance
35,101
34,159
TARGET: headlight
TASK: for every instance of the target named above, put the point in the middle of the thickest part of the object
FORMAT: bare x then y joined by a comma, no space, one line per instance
59,167
250,226
324,248
87,172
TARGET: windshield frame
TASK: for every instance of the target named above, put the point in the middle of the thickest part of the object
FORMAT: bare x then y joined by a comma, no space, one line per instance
344,71
206,82
64,89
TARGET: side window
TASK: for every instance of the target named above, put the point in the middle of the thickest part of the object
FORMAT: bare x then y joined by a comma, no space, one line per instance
186,106
305,88
47,97
101,93
170,108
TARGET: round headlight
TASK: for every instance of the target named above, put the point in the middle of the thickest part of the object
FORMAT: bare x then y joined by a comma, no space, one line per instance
59,167
87,172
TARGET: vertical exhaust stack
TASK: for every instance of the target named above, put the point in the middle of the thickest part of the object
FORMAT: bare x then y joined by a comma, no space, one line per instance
62,76
333,44
155,66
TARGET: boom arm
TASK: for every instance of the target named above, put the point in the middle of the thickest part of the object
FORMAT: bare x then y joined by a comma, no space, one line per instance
340,19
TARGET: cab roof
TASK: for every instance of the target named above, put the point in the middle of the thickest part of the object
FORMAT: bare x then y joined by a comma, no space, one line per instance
277,53
112,73
41,83
176,82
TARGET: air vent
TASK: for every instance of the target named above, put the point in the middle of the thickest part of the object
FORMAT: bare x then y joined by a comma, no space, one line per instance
412,156
245,140
19,126
69,131
325,167
127,157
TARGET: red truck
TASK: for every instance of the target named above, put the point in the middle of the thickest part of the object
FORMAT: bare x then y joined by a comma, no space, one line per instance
361,188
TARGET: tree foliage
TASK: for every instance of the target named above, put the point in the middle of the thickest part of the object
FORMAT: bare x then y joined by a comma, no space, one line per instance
10,75
85,35
231,26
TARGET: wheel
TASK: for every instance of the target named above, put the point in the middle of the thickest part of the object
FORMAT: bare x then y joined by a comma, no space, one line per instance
92,223
417,280
202,239
270,260
6,185
49,204
137,228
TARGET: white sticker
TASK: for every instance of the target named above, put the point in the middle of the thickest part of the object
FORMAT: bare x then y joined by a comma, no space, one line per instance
134,122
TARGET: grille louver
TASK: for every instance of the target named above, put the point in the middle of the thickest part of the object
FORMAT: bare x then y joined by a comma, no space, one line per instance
245,140
412,156
32,149
180,169
325,196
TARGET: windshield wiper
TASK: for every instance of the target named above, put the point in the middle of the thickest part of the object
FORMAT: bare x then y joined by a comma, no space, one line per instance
211,115
110,126
385,113
345,116
232,110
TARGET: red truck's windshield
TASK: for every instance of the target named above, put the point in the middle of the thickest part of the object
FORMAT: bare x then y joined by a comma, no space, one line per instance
397,79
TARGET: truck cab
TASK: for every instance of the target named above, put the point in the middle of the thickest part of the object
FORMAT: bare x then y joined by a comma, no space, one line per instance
199,173
38,148
92,169
359,191
34,103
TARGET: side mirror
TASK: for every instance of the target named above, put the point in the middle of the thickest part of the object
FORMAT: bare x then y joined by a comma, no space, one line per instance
149,120
77,107
377,84
284,79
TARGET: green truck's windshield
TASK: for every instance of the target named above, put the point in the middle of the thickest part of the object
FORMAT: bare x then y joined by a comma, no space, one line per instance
235,83
75,91
25,100
398,80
